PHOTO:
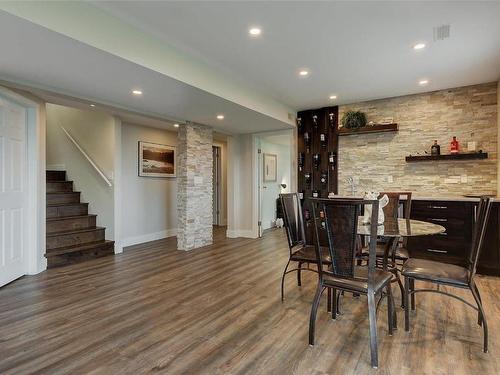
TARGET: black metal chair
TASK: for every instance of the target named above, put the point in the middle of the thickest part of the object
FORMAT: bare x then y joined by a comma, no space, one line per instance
398,254
449,274
300,251
339,218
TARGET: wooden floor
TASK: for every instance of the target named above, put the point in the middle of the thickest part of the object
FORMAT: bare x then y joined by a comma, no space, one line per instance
217,310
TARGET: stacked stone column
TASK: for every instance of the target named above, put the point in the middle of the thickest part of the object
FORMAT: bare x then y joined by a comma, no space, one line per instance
194,186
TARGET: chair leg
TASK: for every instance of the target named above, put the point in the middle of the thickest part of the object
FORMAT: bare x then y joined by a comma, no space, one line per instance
407,305
401,288
475,293
372,315
479,316
412,283
340,294
283,282
299,281
314,310
334,303
390,309
329,300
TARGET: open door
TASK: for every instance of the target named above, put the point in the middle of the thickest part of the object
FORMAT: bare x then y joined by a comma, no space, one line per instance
13,191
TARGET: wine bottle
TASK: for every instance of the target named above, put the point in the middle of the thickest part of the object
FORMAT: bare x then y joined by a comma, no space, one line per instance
316,160
301,161
324,178
331,160
307,141
454,146
435,149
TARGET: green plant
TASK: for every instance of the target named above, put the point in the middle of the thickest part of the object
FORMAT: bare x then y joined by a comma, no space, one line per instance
353,120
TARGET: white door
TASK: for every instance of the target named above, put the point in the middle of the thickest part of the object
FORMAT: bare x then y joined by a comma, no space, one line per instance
13,191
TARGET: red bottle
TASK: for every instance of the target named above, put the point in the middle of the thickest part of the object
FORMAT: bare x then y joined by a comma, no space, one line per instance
454,146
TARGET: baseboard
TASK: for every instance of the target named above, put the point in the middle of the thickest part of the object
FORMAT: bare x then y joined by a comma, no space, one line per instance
235,233
55,167
129,241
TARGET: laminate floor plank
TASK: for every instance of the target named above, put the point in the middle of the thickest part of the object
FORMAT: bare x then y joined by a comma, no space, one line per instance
217,310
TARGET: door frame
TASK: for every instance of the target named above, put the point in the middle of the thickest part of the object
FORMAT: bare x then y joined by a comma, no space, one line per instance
216,182
35,143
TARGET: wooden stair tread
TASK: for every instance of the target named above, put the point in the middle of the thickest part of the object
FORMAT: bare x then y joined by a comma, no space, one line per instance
69,217
80,247
65,204
74,231
63,192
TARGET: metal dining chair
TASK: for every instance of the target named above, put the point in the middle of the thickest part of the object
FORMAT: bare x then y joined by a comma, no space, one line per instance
299,250
339,218
450,274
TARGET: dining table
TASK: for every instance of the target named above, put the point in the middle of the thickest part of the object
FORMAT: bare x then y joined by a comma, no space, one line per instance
394,229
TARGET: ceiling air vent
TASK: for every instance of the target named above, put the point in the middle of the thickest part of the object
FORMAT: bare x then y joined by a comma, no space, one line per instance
441,32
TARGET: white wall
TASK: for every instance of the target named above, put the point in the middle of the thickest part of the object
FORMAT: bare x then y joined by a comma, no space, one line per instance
240,186
271,190
94,131
149,207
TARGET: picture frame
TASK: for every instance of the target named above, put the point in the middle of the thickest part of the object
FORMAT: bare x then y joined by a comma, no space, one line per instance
270,168
156,160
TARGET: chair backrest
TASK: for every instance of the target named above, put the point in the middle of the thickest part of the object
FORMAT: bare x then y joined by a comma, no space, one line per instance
392,208
481,223
293,221
340,220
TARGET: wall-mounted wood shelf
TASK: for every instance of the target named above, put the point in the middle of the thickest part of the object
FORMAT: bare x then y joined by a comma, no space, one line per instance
464,156
380,128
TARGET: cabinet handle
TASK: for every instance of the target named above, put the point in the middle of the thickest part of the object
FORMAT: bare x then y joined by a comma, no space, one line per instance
438,251
440,220
439,207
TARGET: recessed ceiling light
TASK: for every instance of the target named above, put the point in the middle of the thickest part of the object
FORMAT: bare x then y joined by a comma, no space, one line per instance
92,105
176,125
423,82
419,46
137,92
220,117
333,97
255,31
303,73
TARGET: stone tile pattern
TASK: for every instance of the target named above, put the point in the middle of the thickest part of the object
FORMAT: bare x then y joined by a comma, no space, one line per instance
194,186
469,113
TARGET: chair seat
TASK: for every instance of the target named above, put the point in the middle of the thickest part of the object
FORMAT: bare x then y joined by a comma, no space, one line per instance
401,252
307,254
360,281
444,273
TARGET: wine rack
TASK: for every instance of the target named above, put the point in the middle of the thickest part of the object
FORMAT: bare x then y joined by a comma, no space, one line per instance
317,158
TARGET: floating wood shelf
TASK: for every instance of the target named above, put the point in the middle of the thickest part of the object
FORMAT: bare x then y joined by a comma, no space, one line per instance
464,156
379,128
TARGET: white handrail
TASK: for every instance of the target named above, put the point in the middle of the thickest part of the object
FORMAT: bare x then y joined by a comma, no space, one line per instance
87,157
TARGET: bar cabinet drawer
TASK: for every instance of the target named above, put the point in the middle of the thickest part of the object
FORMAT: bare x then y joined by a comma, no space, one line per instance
439,244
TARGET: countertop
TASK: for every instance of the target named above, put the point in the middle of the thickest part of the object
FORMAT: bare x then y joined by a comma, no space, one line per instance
424,197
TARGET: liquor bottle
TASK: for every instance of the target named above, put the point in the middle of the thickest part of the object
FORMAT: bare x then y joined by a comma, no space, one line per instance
322,140
307,178
454,146
322,218
331,118
301,161
301,195
316,160
315,194
307,141
315,121
435,149
324,178
331,160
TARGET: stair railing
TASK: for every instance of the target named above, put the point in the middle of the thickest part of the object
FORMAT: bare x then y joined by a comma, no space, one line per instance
89,159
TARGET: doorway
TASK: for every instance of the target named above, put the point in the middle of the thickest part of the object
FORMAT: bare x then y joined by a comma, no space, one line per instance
216,183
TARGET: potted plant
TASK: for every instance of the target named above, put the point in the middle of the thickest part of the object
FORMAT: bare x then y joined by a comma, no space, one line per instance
353,120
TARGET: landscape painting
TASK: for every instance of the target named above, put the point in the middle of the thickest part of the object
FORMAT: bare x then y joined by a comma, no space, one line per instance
156,160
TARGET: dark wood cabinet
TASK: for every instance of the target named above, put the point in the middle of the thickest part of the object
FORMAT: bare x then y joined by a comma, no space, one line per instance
453,246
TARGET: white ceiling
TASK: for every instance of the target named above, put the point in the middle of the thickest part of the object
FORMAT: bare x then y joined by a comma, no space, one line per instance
33,56
356,50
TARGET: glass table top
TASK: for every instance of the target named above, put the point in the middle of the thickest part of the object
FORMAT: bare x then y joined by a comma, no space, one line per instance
401,228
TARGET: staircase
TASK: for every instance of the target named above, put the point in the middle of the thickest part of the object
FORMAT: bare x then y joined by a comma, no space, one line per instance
72,235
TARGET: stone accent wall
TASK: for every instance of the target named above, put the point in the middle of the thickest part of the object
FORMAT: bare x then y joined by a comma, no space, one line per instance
194,186
378,160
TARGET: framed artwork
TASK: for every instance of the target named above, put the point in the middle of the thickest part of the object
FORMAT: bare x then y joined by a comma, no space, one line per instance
270,167
156,160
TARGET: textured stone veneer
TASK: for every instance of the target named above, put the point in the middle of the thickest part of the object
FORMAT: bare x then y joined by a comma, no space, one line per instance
194,186
470,113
